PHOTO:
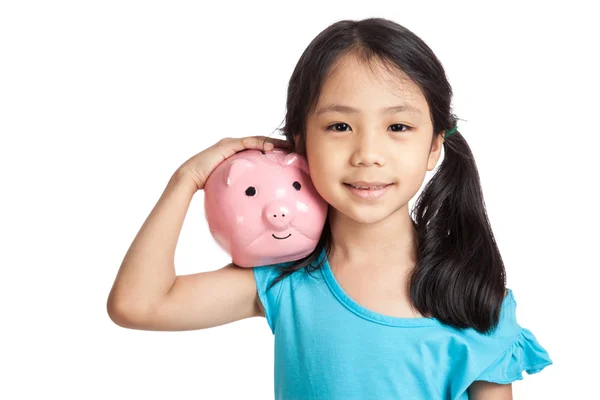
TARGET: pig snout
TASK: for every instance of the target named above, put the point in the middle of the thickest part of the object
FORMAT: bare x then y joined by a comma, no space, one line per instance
279,215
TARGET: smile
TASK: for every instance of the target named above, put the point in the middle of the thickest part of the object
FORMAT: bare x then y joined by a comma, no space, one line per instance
281,238
369,192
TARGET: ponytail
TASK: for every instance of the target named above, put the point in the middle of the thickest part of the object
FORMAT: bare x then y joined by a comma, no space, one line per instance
459,277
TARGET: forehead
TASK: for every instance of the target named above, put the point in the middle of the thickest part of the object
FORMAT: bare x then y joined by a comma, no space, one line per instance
370,85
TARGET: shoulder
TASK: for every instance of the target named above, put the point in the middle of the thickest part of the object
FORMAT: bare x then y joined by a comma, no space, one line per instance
269,288
267,276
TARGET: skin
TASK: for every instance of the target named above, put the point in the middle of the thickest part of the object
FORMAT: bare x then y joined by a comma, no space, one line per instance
374,241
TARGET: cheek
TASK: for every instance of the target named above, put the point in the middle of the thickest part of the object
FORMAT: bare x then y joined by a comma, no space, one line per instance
324,173
327,189
412,172
327,164
318,144
325,158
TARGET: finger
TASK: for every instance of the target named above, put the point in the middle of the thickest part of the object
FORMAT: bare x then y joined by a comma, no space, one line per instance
269,139
281,143
250,142
267,143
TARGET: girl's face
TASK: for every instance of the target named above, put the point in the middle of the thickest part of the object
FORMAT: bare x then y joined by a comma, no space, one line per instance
371,126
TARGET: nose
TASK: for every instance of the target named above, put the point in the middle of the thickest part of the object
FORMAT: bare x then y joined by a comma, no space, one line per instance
368,152
279,215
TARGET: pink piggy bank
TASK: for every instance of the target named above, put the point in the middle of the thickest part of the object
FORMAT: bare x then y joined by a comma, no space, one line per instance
263,209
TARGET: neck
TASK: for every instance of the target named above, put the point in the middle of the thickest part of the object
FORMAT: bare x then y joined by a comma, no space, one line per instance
389,243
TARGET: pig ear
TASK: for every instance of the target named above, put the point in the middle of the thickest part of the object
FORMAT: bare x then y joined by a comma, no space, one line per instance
296,160
237,169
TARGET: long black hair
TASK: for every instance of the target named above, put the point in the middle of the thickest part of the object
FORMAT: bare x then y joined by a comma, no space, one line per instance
459,276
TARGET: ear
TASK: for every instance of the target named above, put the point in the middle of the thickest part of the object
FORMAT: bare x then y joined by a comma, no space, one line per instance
236,169
296,160
435,151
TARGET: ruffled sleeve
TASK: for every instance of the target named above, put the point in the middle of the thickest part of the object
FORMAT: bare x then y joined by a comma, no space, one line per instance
525,354
502,356
269,297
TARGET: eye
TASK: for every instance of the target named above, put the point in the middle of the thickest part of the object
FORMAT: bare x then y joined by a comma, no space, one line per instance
408,128
330,127
342,127
296,185
251,191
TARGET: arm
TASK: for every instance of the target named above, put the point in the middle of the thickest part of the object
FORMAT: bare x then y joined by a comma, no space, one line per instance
482,390
148,295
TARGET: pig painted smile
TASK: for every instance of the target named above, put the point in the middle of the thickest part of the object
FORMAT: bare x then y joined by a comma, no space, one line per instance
281,238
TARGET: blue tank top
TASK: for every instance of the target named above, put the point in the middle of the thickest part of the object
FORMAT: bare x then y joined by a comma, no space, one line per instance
327,346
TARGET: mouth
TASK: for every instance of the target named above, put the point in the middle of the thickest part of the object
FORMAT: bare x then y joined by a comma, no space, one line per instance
281,238
368,190
364,185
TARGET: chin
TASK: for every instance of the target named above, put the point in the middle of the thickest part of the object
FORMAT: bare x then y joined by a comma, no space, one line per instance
365,215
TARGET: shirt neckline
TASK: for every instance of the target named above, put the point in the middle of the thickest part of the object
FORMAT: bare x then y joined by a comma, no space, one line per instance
364,312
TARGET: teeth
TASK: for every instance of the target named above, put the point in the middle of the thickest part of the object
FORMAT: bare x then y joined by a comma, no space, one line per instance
368,187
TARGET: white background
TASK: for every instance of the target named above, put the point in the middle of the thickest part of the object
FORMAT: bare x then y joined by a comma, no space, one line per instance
100,102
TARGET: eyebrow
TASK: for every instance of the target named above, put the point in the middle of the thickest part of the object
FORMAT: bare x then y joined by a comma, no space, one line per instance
349,110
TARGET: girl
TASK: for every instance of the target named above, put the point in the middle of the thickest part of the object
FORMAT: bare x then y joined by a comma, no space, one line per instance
387,306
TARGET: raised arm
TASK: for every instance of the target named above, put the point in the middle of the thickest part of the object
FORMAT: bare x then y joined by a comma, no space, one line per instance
147,294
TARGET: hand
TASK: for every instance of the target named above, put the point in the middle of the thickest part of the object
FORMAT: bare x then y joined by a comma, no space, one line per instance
200,166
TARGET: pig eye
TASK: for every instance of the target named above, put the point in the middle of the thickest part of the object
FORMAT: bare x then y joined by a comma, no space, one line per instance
251,191
296,185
